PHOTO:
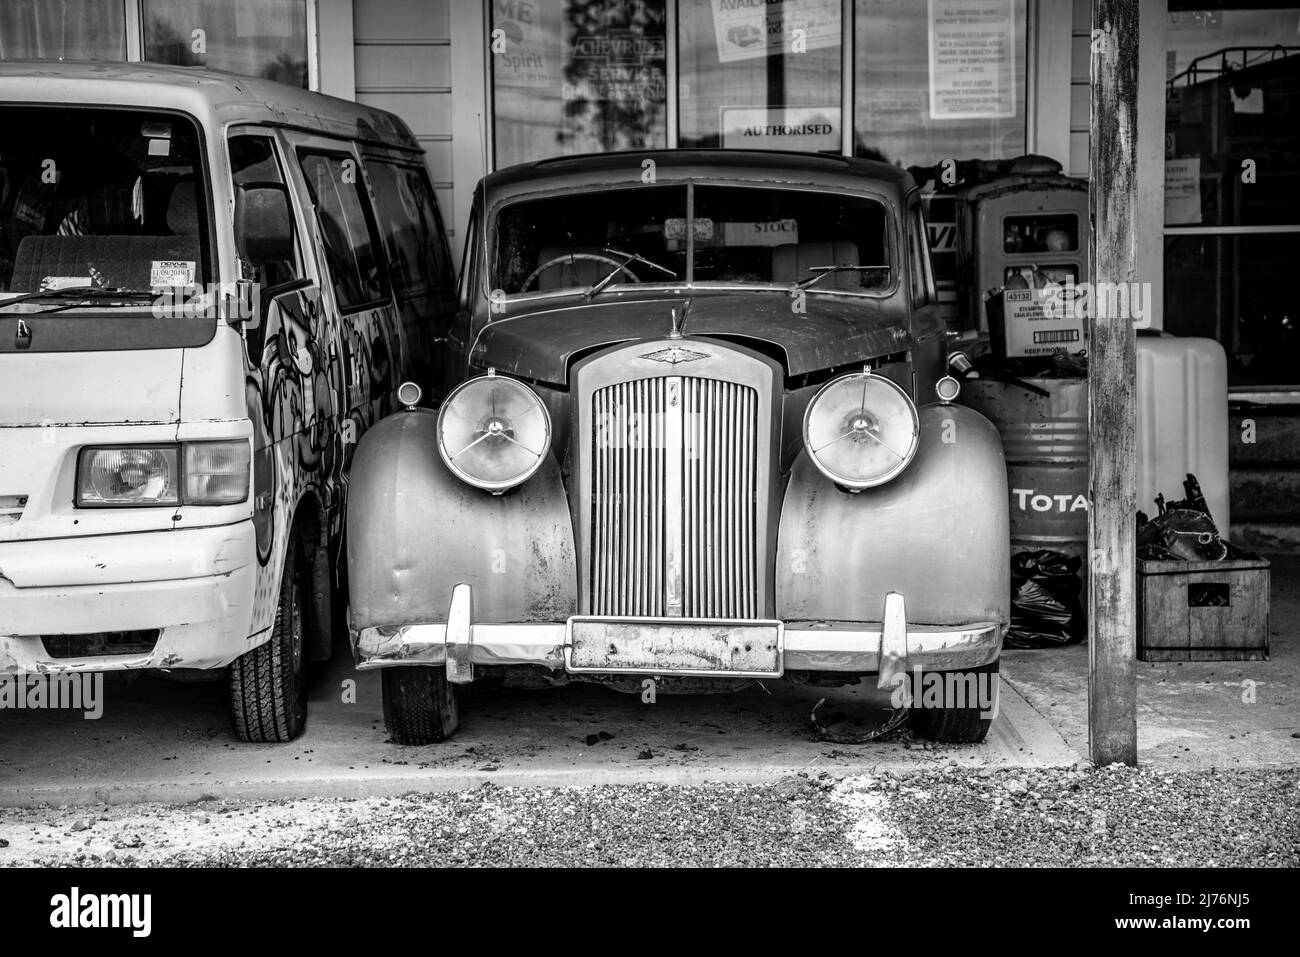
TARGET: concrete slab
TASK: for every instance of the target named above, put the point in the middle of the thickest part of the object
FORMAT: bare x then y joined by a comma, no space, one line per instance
159,741
1192,714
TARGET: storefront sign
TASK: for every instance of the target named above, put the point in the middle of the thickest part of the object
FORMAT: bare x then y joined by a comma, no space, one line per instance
808,128
748,29
972,59
1182,191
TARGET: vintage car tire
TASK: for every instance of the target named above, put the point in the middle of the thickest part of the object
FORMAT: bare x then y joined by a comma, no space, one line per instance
419,704
268,685
955,725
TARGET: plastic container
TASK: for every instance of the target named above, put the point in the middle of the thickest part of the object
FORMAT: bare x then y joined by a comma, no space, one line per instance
1182,421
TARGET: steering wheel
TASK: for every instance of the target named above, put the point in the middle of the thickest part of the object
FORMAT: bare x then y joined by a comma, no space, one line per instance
570,257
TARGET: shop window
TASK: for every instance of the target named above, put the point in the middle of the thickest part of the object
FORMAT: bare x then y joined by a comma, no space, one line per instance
760,76
577,76
62,30
939,80
348,233
1232,186
263,38
408,218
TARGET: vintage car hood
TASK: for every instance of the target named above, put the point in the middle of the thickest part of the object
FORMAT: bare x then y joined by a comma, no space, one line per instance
542,344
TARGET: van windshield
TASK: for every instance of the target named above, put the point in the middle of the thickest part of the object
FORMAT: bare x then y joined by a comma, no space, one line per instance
102,211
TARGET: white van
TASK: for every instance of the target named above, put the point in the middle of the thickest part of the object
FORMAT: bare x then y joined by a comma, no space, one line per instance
209,287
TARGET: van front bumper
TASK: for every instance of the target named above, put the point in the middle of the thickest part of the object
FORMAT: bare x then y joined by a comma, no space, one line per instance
727,648
194,587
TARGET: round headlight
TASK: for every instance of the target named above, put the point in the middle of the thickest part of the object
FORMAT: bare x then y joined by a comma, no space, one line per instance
493,432
861,430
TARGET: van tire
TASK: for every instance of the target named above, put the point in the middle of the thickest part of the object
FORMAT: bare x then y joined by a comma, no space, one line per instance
419,704
268,685
957,725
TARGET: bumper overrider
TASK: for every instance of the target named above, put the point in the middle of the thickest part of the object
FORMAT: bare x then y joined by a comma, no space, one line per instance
754,648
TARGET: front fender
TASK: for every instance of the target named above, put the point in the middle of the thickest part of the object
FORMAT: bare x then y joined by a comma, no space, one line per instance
938,534
415,531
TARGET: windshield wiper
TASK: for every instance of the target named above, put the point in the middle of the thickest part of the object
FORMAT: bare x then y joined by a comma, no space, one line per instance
824,271
81,295
605,280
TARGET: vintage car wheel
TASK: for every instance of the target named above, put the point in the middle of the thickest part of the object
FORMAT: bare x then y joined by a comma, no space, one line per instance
956,722
268,685
419,705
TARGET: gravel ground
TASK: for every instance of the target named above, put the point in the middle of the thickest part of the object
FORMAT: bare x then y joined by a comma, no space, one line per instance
940,816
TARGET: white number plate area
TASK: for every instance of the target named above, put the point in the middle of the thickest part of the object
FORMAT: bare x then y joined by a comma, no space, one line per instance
675,646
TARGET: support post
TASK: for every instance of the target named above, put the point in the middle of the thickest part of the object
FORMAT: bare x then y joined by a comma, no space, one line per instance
1112,367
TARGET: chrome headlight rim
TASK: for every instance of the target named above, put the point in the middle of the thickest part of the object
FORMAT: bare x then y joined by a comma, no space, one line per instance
856,484
448,459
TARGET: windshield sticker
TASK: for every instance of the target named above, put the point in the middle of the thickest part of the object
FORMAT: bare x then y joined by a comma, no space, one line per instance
172,272
774,233
54,283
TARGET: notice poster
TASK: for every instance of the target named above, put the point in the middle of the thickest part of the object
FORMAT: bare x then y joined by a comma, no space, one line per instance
748,29
1183,191
804,128
972,59
526,44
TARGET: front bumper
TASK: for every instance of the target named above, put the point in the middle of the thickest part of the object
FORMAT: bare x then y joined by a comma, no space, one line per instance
887,647
194,586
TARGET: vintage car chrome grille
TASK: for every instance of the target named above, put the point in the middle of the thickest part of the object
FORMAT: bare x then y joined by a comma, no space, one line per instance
674,499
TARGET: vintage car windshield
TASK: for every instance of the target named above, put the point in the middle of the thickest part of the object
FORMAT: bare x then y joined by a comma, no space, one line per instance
100,209
742,235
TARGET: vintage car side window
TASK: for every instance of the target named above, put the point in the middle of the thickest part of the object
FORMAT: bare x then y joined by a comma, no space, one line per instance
574,240
411,229
468,262
919,254
253,160
351,245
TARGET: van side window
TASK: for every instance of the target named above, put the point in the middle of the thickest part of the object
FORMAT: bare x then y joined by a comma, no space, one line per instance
411,229
253,160
351,245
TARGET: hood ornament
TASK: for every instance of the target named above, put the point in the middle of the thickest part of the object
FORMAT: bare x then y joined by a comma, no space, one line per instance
675,354
23,337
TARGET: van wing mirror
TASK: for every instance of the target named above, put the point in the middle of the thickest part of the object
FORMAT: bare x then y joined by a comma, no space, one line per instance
263,224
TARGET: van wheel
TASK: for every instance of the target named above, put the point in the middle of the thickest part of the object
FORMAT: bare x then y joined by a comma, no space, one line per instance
419,704
957,721
268,685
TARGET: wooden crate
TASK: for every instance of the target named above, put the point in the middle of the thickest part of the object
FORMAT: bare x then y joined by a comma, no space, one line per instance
1179,620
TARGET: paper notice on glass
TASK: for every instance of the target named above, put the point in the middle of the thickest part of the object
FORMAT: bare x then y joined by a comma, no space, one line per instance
972,59
1182,191
748,29
803,128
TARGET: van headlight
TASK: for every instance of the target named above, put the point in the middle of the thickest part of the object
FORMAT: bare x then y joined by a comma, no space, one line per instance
493,432
861,430
193,473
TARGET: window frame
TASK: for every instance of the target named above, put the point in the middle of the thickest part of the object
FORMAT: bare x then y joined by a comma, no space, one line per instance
1038,44
133,14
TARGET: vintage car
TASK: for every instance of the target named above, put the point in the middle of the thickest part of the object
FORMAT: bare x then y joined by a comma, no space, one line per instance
701,435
